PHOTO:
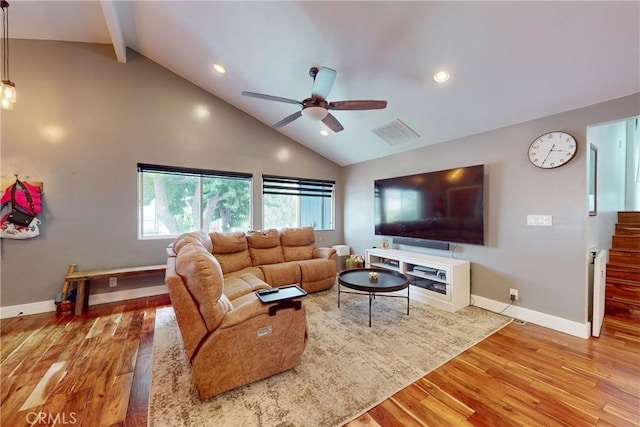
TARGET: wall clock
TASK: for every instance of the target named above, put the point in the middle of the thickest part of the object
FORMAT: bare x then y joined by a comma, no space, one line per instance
552,150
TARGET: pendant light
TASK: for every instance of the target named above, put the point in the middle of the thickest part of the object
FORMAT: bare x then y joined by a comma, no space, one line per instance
8,93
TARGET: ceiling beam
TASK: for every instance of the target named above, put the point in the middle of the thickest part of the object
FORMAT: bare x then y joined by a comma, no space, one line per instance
115,30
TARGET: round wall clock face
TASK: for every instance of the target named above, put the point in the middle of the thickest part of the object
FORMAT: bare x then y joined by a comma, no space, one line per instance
552,150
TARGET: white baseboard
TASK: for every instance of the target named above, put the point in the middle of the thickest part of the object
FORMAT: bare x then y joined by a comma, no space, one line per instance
580,330
26,309
128,294
47,306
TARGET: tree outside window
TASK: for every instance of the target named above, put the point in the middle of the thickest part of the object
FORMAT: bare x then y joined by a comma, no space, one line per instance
177,200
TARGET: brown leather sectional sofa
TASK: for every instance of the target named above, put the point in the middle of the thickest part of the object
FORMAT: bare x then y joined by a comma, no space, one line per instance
229,336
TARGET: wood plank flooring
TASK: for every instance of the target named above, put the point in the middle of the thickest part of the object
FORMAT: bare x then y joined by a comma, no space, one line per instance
95,370
89,370
527,375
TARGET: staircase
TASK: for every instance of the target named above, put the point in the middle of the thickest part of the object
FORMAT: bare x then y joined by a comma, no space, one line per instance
623,269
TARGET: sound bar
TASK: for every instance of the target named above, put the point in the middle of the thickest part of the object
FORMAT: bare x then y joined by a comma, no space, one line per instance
431,244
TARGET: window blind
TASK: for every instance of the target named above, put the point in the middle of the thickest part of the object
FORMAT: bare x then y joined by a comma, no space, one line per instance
281,185
175,170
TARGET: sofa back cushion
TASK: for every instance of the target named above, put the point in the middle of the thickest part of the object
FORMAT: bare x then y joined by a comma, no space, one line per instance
297,243
264,247
231,250
194,236
203,277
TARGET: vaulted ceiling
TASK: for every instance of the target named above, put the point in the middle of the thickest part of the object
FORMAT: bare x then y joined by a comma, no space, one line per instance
509,61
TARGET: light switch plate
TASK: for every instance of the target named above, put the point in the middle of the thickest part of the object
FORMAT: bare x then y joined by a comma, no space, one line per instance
540,220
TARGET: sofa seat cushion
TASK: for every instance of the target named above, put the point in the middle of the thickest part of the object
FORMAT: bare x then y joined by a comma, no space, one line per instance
297,243
285,273
249,270
235,287
264,247
231,250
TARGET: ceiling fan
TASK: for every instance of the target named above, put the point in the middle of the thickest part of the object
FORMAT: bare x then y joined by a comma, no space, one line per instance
317,107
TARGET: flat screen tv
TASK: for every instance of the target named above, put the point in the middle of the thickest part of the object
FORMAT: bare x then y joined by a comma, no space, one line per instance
446,205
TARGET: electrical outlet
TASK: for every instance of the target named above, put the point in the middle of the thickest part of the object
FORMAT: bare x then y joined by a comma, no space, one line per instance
113,282
513,294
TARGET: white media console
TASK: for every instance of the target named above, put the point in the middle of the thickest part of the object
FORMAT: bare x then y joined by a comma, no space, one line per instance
446,280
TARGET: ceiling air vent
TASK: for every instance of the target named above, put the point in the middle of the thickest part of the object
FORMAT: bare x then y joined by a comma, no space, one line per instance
396,132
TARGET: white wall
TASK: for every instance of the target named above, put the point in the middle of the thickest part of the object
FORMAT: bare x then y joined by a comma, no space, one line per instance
611,141
548,265
632,202
81,124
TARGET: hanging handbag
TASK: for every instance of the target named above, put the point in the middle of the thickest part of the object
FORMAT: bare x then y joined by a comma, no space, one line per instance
9,230
20,218
20,198
21,222
16,216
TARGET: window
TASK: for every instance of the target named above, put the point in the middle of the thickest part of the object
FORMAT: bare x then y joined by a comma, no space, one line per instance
297,202
174,200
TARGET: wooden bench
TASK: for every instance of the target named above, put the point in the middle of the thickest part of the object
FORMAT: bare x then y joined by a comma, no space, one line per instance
84,277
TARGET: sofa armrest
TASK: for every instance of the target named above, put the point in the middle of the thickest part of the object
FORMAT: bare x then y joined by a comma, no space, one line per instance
244,307
328,253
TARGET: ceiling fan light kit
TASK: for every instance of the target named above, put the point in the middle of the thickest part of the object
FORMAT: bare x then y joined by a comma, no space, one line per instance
315,113
317,107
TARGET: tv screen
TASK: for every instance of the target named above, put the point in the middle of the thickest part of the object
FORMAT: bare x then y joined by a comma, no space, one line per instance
446,205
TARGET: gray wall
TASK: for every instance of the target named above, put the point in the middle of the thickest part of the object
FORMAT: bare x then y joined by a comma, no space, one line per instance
83,121
81,124
547,264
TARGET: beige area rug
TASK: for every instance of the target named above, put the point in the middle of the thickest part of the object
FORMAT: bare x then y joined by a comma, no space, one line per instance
347,367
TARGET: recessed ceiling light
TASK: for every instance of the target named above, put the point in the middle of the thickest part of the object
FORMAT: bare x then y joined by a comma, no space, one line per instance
441,76
323,132
219,68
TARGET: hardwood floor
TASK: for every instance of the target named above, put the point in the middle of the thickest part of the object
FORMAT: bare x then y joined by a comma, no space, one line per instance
527,375
95,369
88,370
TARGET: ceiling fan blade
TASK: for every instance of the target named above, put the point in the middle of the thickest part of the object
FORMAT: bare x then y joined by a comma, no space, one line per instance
287,120
271,97
323,82
332,123
358,105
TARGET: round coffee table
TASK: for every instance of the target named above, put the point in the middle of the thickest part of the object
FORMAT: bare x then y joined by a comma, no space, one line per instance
388,281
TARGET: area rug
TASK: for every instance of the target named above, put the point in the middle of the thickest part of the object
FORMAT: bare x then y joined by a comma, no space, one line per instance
347,367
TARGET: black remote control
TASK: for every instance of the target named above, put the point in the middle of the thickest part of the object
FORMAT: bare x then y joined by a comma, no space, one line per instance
268,291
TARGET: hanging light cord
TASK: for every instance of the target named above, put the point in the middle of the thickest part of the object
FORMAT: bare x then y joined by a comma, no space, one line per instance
5,39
